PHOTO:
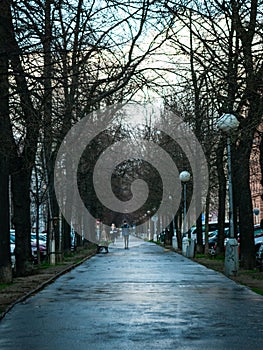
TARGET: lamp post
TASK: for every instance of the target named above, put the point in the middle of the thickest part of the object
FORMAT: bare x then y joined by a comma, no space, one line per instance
256,212
149,226
52,247
184,177
154,218
228,123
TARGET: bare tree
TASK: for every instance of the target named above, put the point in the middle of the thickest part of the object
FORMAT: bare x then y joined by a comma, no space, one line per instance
22,148
67,58
227,40
5,258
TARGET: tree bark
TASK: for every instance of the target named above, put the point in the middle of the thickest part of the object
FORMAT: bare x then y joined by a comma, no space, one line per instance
5,259
23,158
244,201
178,225
21,202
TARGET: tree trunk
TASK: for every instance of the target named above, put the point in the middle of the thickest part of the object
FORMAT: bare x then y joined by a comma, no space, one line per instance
5,259
54,227
21,202
207,212
23,158
199,235
244,202
171,231
178,225
66,233
49,155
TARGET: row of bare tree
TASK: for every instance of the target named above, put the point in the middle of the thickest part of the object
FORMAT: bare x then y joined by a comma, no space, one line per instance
225,75
61,60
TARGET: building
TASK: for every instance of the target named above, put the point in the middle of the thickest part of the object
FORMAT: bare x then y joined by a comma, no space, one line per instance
256,178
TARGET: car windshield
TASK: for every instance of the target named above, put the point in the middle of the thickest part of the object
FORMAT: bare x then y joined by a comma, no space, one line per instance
213,233
258,231
43,237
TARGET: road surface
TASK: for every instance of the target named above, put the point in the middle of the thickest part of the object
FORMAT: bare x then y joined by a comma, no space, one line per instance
141,298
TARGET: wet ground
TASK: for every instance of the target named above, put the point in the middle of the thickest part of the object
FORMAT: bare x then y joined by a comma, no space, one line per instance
141,298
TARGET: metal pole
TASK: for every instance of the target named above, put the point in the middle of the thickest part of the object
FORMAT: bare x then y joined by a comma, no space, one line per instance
227,123
230,189
231,253
184,186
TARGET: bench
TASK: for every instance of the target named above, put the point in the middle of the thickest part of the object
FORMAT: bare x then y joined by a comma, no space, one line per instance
102,248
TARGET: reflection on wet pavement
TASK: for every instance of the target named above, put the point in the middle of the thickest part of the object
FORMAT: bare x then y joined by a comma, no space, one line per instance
141,298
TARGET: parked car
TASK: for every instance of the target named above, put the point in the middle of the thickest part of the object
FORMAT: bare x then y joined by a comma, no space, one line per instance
258,231
42,250
12,243
258,237
41,238
42,247
212,227
213,238
12,249
259,255
212,230
212,243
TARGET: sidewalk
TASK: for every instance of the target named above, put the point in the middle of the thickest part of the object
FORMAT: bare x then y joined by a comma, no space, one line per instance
23,287
141,298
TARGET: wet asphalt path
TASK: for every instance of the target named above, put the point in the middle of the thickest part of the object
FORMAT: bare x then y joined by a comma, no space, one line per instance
141,298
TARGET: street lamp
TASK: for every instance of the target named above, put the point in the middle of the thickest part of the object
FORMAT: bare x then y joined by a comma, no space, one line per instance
149,225
52,245
184,177
154,218
228,123
256,212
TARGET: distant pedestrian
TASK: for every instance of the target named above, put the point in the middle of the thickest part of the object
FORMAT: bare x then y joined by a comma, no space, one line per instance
125,232
113,233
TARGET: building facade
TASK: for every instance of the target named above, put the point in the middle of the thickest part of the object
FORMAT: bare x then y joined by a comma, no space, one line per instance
256,178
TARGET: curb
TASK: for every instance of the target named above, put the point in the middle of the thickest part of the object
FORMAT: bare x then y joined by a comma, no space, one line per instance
44,284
